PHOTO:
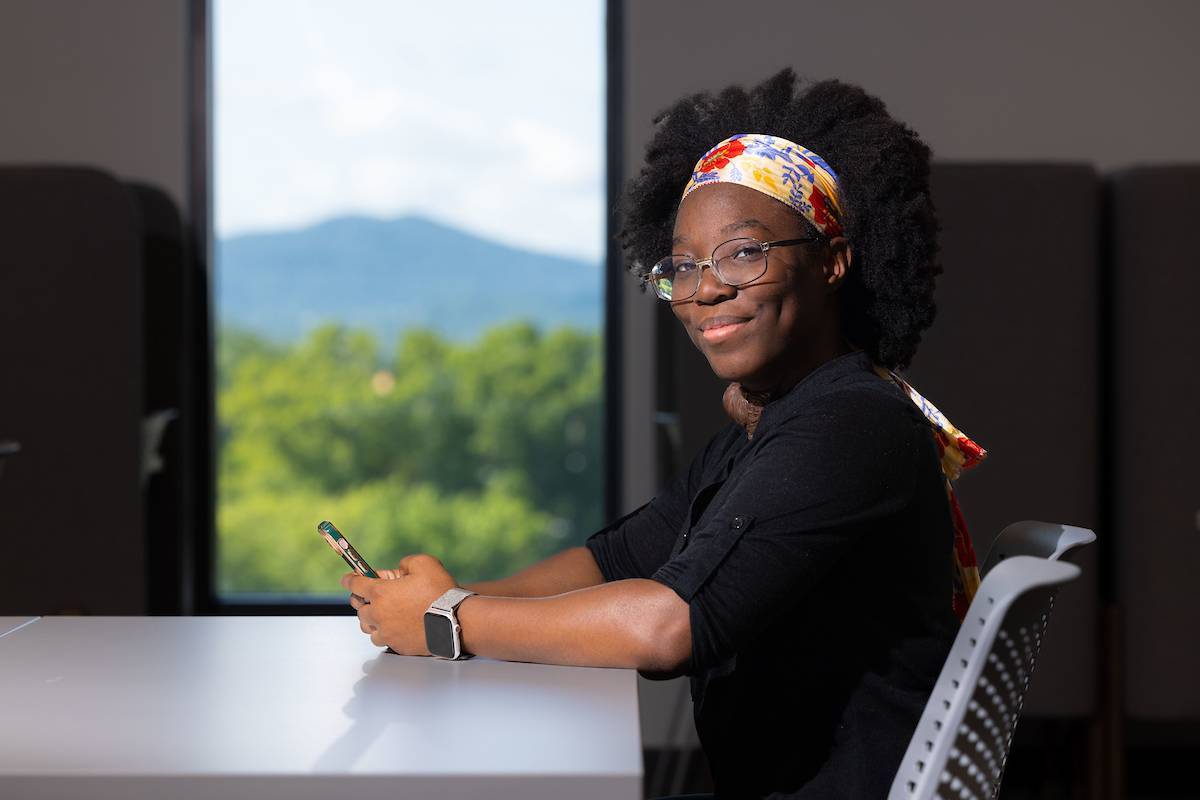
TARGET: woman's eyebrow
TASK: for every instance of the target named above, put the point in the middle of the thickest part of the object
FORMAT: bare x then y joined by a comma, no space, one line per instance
749,222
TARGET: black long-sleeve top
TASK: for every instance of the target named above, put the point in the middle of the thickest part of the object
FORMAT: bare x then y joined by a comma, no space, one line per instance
816,562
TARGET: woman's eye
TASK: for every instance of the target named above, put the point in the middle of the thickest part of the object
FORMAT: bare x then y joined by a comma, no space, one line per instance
685,267
747,252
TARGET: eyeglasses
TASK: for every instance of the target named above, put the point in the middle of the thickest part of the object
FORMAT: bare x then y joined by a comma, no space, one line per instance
735,263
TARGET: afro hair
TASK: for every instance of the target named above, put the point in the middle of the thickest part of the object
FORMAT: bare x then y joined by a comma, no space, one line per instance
883,172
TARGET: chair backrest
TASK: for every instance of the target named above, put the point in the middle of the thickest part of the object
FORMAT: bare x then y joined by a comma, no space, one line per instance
1049,540
961,743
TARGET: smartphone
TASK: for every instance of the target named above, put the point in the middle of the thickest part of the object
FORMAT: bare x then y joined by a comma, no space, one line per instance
346,550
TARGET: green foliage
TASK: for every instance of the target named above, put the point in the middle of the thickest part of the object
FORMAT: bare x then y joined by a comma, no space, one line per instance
485,454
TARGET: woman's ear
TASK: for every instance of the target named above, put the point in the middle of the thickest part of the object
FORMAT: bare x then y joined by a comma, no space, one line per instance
837,266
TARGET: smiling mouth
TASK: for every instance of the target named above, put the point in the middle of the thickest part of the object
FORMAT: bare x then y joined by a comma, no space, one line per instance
719,329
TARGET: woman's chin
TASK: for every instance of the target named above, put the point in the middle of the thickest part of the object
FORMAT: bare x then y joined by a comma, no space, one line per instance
727,368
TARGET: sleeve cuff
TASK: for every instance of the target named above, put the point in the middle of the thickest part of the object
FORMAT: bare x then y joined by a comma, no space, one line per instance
599,549
687,572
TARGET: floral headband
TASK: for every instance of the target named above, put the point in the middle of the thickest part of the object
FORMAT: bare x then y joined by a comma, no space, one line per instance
793,175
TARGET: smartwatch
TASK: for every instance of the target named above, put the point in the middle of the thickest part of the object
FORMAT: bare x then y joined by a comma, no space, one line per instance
443,634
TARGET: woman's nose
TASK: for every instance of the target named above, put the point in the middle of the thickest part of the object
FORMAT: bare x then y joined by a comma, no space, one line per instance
711,288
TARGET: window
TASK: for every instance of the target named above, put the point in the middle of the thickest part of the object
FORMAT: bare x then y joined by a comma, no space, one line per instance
409,222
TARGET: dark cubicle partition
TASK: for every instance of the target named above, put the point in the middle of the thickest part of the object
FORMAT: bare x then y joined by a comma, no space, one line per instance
1153,215
1013,360
70,393
95,322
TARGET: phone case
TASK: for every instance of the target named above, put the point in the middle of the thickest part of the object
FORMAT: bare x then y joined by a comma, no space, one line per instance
342,546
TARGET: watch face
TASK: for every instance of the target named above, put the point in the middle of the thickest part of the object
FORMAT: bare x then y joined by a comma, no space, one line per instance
439,635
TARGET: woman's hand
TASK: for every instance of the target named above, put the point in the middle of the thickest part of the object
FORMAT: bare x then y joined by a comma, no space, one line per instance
391,609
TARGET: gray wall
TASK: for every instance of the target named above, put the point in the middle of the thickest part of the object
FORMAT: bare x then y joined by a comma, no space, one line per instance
96,83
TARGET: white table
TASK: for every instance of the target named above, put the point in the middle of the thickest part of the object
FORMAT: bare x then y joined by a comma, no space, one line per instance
9,624
298,707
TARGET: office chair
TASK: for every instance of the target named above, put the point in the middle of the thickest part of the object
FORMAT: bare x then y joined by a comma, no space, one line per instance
961,743
1049,540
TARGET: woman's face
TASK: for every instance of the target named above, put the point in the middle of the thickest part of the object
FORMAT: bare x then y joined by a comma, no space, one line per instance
772,332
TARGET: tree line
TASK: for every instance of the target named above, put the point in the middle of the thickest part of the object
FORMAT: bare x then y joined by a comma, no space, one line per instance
484,453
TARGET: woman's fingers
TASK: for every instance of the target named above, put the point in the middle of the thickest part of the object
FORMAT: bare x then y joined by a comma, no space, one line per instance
357,584
366,619
418,560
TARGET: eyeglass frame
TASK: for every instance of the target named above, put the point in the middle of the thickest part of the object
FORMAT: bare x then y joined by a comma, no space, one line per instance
710,263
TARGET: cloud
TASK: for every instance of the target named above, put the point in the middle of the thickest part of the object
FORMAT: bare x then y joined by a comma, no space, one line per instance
552,156
350,108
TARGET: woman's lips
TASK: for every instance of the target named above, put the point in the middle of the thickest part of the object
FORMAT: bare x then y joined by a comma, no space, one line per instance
718,329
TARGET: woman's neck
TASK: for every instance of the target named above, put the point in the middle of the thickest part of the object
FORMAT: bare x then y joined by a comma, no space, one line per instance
745,405
764,391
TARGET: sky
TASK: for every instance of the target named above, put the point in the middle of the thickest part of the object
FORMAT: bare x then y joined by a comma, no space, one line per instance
482,115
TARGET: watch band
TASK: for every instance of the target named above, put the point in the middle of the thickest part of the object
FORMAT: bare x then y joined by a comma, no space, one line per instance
448,641
451,598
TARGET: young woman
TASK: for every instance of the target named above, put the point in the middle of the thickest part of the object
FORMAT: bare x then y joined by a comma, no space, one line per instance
804,571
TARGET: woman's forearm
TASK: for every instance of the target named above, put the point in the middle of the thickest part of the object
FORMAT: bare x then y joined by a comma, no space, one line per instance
572,569
636,624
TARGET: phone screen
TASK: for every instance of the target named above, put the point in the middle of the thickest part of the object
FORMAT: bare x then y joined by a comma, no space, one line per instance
346,550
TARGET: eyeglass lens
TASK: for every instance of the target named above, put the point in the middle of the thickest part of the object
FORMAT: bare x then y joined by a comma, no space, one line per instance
736,262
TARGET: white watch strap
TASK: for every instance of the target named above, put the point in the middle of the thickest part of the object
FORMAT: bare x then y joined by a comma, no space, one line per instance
451,598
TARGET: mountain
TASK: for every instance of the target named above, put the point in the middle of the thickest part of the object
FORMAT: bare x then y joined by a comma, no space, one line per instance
387,275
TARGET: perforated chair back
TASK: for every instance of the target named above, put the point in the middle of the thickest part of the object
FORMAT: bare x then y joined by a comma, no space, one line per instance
1049,540
961,743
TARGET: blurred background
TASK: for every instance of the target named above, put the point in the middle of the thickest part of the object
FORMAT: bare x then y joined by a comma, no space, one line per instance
267,263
